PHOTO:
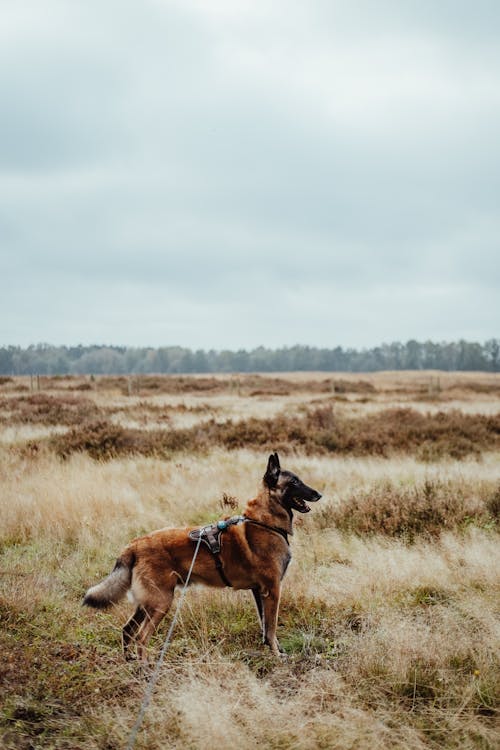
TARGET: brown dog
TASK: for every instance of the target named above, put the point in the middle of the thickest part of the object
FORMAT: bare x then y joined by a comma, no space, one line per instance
245,552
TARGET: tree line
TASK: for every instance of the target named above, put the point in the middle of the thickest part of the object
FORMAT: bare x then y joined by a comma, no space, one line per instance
45,359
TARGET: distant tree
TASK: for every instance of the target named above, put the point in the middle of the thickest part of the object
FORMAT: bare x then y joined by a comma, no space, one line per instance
200,361
259,360
470,356
100,361
492,354
7,360
414,355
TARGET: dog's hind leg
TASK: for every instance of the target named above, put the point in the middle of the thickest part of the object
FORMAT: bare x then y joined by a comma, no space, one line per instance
150,623
154,612
130,629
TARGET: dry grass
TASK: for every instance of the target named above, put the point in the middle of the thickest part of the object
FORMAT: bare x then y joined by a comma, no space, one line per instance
186,401
312,416
389,615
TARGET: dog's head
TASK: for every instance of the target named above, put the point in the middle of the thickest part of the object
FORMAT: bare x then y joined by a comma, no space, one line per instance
287,489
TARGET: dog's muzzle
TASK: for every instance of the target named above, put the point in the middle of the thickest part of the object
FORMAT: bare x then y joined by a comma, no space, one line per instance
299,503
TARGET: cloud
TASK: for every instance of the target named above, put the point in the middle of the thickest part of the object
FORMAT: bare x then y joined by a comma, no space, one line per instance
216,165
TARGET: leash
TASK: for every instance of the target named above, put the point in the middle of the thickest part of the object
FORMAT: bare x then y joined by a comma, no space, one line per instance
154,677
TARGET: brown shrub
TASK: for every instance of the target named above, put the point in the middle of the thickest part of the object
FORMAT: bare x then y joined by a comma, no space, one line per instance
428,508
40,408
493,504
281,387
101,440
392,431
320,430
474,386
351,386
429,436
143,385
111,382
248,385
269,392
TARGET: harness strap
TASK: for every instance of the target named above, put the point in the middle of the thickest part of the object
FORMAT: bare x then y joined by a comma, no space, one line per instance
211,536
220,569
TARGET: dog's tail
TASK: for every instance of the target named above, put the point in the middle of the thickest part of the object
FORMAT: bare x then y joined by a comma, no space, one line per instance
115,586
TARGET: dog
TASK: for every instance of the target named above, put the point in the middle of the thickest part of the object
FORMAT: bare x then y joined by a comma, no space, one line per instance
245,552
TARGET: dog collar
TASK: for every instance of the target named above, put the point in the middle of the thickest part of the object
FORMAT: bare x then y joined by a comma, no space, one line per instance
275,529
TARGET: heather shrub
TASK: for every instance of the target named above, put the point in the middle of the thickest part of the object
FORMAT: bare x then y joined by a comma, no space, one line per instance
319,431
481,388
251,384
41,408
102,440
427,508
493,504
144,385
391,431
350,386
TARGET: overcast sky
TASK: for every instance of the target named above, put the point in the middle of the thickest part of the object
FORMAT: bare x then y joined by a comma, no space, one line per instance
226,173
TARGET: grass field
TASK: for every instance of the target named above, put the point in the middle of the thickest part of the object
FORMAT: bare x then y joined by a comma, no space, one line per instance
390,615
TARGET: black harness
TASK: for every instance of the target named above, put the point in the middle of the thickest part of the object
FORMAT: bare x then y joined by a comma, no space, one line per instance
211,536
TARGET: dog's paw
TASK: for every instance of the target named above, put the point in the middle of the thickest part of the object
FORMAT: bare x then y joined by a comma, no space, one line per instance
279,653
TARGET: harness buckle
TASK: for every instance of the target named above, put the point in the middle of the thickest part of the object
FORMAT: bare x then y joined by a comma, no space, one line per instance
211,534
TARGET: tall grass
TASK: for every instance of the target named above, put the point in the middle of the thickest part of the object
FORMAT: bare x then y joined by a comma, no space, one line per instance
389,614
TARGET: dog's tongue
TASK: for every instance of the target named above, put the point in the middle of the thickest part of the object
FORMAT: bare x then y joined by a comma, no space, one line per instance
302,507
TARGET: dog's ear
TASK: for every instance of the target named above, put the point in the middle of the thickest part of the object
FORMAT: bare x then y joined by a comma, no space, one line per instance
273,470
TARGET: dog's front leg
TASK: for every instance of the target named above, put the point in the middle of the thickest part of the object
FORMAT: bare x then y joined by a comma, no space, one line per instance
271,603
260,611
